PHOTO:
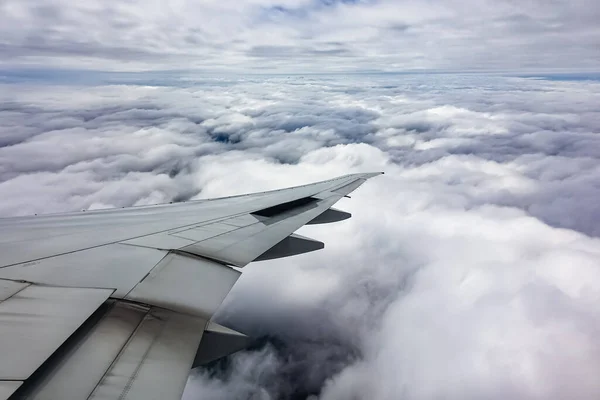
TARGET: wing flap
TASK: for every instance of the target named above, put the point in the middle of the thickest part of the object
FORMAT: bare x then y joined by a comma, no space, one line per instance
7,388
35,322
186,284
89,355
155,362
130,352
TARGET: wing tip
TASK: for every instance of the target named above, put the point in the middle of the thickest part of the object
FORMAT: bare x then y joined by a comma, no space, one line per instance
369,175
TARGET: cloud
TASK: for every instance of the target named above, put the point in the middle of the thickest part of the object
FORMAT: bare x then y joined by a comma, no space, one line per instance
300,35
468,271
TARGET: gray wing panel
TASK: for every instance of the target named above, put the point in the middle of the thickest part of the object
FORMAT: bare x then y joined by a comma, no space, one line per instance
7,388
186,284
131,352
9,288
345,189
244,245
113,266
86,362
155,362
35,321
162,241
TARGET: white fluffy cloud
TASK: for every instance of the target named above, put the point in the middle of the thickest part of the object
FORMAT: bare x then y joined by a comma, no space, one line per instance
301,35
469,271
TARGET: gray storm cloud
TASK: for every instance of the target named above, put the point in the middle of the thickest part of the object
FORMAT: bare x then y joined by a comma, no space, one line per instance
301,35
469,271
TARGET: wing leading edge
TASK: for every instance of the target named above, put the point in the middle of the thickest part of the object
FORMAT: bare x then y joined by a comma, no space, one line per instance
118,304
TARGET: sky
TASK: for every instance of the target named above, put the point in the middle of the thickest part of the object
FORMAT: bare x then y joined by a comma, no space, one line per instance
300,36
470,270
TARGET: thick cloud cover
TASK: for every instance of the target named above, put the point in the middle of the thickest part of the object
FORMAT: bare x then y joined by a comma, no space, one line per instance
301,35
471,270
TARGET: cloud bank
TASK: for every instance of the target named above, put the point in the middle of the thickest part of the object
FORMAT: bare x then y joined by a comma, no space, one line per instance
301,35
469,271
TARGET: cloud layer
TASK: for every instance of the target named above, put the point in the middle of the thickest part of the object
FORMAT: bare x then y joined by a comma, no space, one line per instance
301,35
469,271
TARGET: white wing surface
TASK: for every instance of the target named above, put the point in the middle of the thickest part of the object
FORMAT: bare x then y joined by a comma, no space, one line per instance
117,304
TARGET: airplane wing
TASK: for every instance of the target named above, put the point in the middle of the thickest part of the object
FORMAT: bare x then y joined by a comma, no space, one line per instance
117,304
